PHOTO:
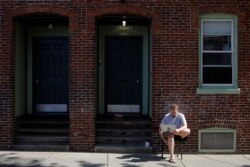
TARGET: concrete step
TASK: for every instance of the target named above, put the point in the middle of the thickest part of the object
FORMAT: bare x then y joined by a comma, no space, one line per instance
122,132
122,124
30,147
123,135
43,124
116,148
121,140
43,131
43,121
42,140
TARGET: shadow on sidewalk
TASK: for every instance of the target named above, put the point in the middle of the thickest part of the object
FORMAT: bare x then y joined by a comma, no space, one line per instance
13,160
140,157
88,164
134,160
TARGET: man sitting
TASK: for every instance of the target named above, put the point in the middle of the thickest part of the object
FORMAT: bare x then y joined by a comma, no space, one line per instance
174,117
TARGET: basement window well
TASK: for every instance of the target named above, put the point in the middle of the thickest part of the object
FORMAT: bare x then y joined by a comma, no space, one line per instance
217,140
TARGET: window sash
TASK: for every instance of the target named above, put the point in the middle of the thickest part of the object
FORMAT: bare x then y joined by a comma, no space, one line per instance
231,50
217,43
210,24
217,59
213,75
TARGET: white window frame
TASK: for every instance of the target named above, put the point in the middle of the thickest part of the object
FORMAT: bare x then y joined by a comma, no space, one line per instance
215,88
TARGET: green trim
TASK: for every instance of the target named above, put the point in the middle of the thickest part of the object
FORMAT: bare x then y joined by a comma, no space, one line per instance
214,130
20,81
38,31
218,89
117,30
218,16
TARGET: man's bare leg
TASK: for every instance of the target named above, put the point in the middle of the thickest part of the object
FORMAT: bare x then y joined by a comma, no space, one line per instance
171,145
184,133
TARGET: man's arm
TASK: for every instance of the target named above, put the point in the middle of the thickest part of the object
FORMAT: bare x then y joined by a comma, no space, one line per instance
184,125
181,129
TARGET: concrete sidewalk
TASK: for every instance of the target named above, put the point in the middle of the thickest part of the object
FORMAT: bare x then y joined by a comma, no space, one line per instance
72,159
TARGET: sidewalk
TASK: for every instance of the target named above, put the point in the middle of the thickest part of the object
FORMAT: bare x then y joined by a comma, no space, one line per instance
72,159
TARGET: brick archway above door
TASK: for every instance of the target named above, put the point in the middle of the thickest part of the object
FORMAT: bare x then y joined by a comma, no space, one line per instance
121,9
40,9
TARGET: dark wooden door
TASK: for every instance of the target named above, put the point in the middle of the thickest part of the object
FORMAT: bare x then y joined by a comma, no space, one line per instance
50,77
123,80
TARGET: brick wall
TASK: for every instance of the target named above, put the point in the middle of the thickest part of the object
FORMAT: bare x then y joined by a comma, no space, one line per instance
175,63
6,88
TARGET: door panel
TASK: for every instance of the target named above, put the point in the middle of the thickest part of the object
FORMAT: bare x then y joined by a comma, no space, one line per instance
50,74
123,59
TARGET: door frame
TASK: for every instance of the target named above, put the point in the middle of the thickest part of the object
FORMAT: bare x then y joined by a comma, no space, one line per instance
37,31
141,74
131,30
34,75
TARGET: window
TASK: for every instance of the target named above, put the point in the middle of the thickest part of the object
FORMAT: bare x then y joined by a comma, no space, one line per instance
218,52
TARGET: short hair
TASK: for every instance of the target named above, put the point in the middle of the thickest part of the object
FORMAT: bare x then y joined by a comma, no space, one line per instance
174,107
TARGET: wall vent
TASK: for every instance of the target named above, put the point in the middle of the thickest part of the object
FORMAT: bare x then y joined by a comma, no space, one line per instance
214,140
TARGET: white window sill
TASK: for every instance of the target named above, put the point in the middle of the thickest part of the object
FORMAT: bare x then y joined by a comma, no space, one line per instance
217,91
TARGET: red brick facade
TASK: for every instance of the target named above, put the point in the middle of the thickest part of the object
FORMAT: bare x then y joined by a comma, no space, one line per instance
175,65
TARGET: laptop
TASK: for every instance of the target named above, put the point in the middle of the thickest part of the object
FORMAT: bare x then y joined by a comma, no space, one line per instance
167,127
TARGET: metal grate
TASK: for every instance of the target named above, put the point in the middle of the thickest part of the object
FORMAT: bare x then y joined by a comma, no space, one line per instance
221,140
217,140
